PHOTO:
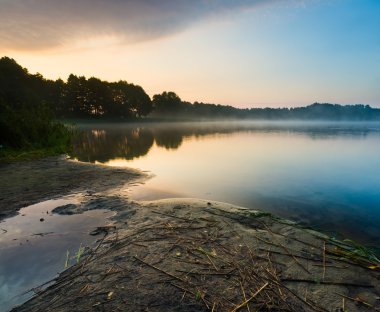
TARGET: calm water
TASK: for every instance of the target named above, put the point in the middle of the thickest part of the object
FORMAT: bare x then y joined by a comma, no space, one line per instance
33,252
321,174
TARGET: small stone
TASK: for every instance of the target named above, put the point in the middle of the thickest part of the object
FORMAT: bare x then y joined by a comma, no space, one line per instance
109,296
42,219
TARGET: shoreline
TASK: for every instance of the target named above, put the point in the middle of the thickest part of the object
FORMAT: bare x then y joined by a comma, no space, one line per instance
29,182
195,255
188,254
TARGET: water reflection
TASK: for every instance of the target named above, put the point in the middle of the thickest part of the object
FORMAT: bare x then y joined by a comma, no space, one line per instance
168,138
323,175
105,142
102,145
34,246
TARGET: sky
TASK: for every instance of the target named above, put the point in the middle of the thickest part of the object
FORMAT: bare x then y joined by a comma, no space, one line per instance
244,53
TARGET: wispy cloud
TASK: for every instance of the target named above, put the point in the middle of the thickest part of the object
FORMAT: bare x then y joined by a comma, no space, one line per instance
43,24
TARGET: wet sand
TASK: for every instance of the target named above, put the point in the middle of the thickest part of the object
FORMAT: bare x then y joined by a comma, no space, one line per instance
194,255
26,183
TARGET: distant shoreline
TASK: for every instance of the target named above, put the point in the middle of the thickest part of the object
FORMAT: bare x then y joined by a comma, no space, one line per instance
149,120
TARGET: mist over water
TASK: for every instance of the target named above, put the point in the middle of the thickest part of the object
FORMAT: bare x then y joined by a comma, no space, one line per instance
321,174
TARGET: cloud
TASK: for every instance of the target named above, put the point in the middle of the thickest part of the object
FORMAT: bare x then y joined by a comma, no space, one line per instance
44,24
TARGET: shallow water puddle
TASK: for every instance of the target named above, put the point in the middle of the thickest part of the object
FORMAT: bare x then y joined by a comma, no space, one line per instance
34,246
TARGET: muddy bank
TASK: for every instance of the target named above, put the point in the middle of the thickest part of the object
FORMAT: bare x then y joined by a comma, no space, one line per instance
26,183
193,255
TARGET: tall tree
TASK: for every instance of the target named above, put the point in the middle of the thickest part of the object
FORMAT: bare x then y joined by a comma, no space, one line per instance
167,103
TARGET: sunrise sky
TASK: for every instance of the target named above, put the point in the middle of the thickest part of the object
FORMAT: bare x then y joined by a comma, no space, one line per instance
245,53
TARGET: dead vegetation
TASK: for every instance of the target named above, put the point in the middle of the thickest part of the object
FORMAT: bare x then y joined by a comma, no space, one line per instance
190,256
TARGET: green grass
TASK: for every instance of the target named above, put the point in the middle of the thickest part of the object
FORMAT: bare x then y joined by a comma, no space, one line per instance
56,142
351,250
79,253
77,256
67,259
12,155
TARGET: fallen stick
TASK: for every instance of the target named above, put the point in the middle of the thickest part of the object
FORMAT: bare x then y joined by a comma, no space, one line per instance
315,308
286,250
299,280
358,300
191,292
248,300
324,261
291,255
244,296
158,269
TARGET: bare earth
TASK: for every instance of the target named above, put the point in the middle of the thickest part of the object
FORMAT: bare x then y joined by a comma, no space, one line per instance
27,183
194,255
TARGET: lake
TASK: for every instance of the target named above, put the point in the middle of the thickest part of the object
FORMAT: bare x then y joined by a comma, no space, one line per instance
324,175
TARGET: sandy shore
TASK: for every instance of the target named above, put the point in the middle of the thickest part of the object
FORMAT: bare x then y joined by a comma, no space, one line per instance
26,183
192,255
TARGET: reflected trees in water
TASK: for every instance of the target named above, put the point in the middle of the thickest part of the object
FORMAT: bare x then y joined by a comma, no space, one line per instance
110,142
168,138
101,145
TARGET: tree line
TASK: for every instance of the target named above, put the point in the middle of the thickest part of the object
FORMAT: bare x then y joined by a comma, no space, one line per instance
80,97
29,104
26,118
169,105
